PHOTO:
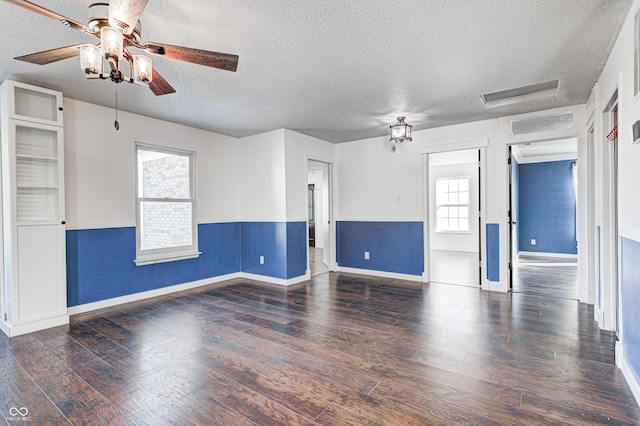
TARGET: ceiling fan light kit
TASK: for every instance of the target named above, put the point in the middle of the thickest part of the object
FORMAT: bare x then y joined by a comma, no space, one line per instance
117,26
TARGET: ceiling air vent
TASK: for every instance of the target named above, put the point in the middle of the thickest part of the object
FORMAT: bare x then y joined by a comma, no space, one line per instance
521,94
542,123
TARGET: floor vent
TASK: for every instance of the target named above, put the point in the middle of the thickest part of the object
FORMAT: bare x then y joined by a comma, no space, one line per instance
542,123
521,94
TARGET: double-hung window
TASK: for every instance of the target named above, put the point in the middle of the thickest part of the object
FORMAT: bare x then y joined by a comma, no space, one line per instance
452,204
166,226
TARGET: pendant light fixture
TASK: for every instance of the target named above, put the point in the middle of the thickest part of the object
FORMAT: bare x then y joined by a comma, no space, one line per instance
401,131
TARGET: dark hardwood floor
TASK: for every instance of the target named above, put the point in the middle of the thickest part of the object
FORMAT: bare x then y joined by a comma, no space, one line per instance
546,276
316,262
337,350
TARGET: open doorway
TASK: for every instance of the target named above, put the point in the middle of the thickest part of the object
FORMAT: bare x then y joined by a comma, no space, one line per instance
609,303
319,217
542,218
454,219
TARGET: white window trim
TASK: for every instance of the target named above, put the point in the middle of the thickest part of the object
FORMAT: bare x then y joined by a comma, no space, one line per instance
149,257
468,205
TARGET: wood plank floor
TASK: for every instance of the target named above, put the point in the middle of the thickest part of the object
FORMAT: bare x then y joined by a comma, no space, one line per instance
316,262
546,276
337,350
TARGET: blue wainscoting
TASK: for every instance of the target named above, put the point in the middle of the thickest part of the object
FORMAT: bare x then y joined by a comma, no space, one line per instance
547,208
296,249
396,247
283,245
630,297
100,262
493,252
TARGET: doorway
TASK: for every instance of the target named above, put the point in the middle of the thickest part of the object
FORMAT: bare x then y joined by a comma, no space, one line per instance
542,215
319,217
608,244
454,182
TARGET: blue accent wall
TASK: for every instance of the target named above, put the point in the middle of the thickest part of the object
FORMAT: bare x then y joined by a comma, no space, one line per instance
100,262
630,298
296,249
547,208
283,245
493,252
393,246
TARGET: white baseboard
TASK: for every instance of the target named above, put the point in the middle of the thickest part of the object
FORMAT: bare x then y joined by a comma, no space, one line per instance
87,307
584,296
542,254
17,330
277,281
621,362
498,286
382,274
107,303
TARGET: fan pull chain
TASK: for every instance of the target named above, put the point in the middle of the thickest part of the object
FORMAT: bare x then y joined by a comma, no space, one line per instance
115,123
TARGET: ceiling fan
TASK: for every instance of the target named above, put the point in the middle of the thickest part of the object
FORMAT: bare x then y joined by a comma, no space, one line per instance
116,24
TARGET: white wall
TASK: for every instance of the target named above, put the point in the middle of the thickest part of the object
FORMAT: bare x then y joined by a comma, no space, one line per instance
262,178
618,72
298,149
467,242
375,185
100,166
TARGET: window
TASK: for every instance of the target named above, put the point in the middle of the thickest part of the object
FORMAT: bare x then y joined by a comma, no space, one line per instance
452,204
165,205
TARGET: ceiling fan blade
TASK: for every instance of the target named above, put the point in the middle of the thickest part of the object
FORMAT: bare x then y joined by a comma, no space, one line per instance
124,14
32,7
223,61
53,55
159,85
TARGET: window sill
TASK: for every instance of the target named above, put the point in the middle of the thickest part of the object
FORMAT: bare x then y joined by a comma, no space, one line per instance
162,258
453,232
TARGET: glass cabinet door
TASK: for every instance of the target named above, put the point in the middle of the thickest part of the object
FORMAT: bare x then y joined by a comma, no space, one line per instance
35,104
37,172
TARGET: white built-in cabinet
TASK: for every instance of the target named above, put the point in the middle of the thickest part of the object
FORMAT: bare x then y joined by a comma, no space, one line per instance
33,291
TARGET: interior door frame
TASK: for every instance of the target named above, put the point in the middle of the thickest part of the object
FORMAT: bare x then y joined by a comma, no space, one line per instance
511,223
331,244
479,145
592,290
610,312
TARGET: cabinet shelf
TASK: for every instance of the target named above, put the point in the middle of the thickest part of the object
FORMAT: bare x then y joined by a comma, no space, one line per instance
35,157
37,187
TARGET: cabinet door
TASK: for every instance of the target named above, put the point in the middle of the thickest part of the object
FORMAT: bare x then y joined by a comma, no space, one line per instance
34,104
41,273
39,189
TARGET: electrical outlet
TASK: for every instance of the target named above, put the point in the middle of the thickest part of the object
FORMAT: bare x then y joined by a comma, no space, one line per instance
366,255
533,241
262,260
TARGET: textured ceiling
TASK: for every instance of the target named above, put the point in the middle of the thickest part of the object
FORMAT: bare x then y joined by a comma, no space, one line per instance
336,70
